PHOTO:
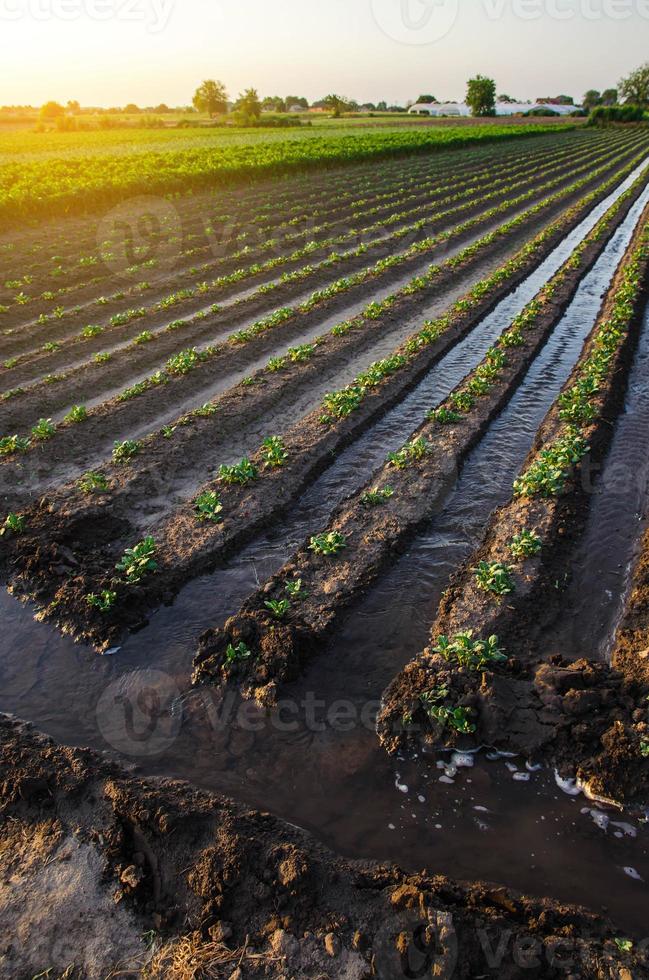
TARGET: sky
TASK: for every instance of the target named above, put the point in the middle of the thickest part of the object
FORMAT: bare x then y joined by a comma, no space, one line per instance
110,52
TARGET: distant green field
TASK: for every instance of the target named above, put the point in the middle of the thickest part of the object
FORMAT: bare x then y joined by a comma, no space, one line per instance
50,174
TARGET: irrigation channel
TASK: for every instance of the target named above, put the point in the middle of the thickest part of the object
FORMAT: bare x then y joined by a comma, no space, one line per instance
315,760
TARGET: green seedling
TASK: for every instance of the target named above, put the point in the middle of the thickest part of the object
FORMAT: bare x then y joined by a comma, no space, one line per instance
644,748
104,602
236,654
276,364
14,524
138,561
443,715
444,416
525,545
462,401
295,590
204,411
240,473
494,576
328,544
183,362
78,413
13,444
470,653
124,452
274,452
410,453
624,945
376,497
208,507
278,607
93,482
44,429
301,353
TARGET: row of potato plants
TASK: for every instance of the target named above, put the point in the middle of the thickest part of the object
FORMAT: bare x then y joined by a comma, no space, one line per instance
216,505
59,314
347,192
19,281
492,593
188,360
78,185
499,369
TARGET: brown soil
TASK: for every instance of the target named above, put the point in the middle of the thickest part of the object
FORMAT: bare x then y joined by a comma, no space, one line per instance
45,398
145,879
71,548
282,198
25,476
373,538
421,201
582,716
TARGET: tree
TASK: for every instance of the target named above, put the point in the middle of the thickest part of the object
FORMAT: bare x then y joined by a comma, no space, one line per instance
609,96
73,107
274,103
337,104
292,100
51,111
426,98
591,99
131,109
382,106
211,97
481,96
635,87
248,105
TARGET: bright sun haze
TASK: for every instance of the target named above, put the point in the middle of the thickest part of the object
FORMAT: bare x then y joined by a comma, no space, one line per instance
110,52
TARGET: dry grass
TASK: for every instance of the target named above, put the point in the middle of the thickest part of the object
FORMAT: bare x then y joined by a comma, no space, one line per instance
189,958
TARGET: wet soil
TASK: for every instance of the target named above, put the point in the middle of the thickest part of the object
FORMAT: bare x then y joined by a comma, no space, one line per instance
343,794
583,716
71,550
155,878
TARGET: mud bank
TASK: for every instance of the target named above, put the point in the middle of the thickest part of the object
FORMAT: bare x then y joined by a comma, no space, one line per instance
151,878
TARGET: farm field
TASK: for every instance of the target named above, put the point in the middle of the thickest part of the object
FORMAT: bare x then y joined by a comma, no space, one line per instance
88,171
327,455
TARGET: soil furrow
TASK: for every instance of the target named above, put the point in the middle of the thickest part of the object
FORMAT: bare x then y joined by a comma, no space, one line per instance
24,478
582,715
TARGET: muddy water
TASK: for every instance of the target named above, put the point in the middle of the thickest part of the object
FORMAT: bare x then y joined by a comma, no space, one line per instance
316,761
601,568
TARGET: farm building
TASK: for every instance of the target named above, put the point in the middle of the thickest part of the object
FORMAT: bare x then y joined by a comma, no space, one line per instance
502,108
